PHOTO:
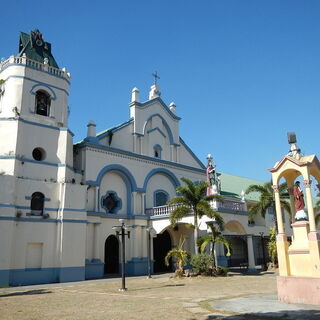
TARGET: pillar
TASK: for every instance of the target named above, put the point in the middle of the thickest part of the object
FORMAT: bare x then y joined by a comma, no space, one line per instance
251,259
143,204
292,204
96,254
312,223
97,196
278,209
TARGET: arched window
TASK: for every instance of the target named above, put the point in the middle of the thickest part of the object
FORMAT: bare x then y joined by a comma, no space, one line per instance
157,151
37,203
43,101
160,198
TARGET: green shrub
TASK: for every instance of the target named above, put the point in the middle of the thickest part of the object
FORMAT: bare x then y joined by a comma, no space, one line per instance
222,271
202,263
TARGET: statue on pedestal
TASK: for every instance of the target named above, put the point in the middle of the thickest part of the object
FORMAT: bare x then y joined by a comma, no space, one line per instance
299,202
212,179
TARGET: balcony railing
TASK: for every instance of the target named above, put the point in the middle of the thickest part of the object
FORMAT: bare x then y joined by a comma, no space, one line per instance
35,65
231,205
228,206
160,211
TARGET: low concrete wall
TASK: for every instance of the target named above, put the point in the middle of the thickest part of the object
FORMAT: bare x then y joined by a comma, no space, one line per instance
299,289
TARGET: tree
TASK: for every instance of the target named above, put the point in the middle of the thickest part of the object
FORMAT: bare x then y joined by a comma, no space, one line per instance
267,200
272,246
193,200
180,256
212,239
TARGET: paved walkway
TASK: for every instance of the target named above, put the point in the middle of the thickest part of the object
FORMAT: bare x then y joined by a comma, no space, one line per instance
232,298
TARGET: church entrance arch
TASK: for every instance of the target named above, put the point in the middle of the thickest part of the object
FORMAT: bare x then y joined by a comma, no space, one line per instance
111,255
161,245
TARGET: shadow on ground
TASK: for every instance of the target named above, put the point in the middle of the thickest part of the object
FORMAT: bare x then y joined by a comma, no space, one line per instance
24,293
159,287
282,315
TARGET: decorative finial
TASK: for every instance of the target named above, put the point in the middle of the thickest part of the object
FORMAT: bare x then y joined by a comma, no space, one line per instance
135,95
156,77
294,150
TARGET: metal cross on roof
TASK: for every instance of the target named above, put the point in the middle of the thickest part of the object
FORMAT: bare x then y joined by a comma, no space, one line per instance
155,75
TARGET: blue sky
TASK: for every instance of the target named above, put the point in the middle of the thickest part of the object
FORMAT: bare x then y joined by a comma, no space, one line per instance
242,73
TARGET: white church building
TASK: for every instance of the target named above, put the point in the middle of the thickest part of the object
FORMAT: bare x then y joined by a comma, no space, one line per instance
59,201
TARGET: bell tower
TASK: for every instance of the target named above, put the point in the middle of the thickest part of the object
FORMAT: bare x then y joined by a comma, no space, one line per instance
41,199
33,106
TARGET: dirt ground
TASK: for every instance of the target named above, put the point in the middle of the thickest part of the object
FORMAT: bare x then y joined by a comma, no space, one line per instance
155,298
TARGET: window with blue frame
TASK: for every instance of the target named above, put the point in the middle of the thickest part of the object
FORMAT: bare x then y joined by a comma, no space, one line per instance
111,202
160,198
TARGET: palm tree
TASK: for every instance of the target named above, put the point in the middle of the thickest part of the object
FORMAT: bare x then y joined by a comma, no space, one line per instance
193,200
212,239
180,256
267,200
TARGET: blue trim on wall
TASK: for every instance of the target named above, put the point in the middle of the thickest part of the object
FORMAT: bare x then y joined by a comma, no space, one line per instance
125,175
8,205
102,214
41,219
157,129
68,274
139,156
94,269
21,277
137,266
192,154
27,78
164,123
47,126
105,133
164,172
4,278
53,95
23,159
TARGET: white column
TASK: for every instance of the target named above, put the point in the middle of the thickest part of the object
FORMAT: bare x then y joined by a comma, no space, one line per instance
134,202
96,198
96,241
307,184
143,201
251,260
278,209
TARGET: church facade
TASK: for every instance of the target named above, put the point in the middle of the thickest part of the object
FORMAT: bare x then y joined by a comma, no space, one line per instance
60,201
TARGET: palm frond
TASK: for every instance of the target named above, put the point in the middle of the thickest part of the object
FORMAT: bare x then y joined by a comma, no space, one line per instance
178,201
178,213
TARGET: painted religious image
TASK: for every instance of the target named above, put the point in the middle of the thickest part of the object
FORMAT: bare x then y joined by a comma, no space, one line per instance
299,202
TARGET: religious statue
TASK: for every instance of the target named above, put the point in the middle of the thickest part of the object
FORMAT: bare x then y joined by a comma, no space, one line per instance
211,173
212,180
299,202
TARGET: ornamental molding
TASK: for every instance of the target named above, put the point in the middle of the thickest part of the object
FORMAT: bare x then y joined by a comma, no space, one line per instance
275,188
138,158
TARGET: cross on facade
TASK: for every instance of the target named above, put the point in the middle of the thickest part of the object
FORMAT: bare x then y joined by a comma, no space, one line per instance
155,75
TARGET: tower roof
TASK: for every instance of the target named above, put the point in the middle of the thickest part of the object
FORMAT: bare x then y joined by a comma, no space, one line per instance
35,48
